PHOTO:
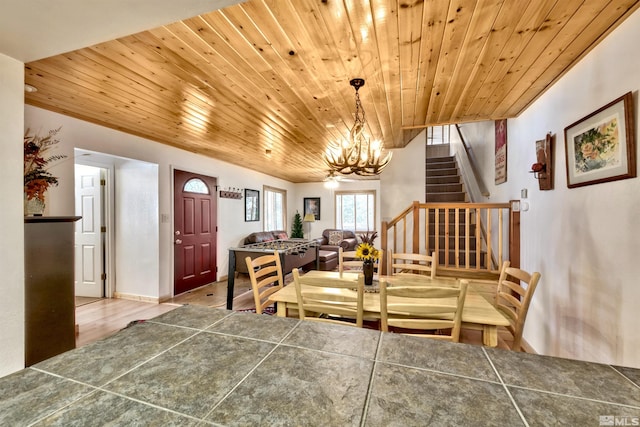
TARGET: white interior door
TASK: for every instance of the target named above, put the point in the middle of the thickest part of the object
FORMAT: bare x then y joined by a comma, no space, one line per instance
89,248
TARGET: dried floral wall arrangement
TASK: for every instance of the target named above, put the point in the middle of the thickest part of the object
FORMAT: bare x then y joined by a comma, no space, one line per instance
37,159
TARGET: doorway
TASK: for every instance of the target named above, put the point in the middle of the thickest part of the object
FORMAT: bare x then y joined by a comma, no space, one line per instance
90,231
131,233
195,230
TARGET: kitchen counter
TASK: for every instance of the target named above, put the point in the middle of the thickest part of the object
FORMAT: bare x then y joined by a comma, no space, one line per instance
205,366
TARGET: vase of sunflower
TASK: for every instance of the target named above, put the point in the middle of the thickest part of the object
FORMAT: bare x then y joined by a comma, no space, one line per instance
368,254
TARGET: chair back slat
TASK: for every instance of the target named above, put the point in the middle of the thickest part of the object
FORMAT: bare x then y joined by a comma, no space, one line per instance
412,263
423,308
513,299
265,274
328,297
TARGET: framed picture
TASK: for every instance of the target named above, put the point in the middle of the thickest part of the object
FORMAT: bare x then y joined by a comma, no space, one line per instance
312,205
501,151
251,205
601,146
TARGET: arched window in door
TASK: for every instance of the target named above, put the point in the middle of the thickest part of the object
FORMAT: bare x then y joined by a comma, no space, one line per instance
196,185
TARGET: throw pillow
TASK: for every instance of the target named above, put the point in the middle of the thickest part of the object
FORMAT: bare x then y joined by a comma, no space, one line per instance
335,237
282,236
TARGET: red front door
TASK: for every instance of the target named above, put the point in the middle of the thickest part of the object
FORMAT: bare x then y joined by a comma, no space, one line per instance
194,231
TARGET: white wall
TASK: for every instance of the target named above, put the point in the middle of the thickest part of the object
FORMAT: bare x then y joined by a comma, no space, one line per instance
585,241
79,134
11,216
137,227
403,180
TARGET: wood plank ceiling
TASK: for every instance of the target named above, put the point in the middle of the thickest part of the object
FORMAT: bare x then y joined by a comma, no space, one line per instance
265,84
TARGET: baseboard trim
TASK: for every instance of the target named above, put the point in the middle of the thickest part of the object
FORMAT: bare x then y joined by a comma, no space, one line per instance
527,348
133,297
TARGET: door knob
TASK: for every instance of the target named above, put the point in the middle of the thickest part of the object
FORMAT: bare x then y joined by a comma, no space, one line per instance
177,232
178,242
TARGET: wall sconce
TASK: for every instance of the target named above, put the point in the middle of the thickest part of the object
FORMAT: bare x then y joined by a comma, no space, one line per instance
542,170
538,170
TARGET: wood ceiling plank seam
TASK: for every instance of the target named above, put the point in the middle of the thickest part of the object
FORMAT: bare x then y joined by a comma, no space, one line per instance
290,63
408,35
243,24
386,32
351,69
371,63
114,120
422,94
291,126
483,19
250,107
195,72
122,73
93,86
289,43
307,48
342,69
523,31
160,137
114,52
153,109
549,54
458,22
535,49
503,29
576,50
147,71
331,63
339,35
432,27
366,46
83,101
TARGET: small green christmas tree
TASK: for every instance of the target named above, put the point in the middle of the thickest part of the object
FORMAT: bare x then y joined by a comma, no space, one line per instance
296,231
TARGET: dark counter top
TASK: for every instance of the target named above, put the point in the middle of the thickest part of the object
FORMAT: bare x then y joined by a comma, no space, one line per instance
31,219
206,366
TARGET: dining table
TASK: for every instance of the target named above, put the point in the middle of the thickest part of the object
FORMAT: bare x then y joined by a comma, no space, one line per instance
478,313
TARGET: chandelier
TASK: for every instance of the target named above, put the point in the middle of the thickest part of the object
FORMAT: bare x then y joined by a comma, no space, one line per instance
357,155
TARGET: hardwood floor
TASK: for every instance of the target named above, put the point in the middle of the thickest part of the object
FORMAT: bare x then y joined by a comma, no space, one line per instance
107,316
102,318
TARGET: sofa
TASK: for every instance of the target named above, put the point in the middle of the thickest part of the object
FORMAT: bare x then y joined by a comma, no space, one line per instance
265,236
332,239
329,244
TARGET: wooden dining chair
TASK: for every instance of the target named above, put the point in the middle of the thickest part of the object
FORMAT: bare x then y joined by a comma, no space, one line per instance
410,263
347,261
265,273
329,299
433,310
513,298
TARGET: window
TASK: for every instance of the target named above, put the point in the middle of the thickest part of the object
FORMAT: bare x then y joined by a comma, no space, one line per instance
275,209
356,210
196,185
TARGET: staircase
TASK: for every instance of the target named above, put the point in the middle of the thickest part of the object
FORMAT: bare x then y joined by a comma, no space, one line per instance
444,185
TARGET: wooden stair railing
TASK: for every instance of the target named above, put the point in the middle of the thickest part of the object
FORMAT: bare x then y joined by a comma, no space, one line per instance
470,239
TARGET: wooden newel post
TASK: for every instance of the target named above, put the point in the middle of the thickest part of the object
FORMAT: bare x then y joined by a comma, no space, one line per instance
383,245
514,233
415,237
